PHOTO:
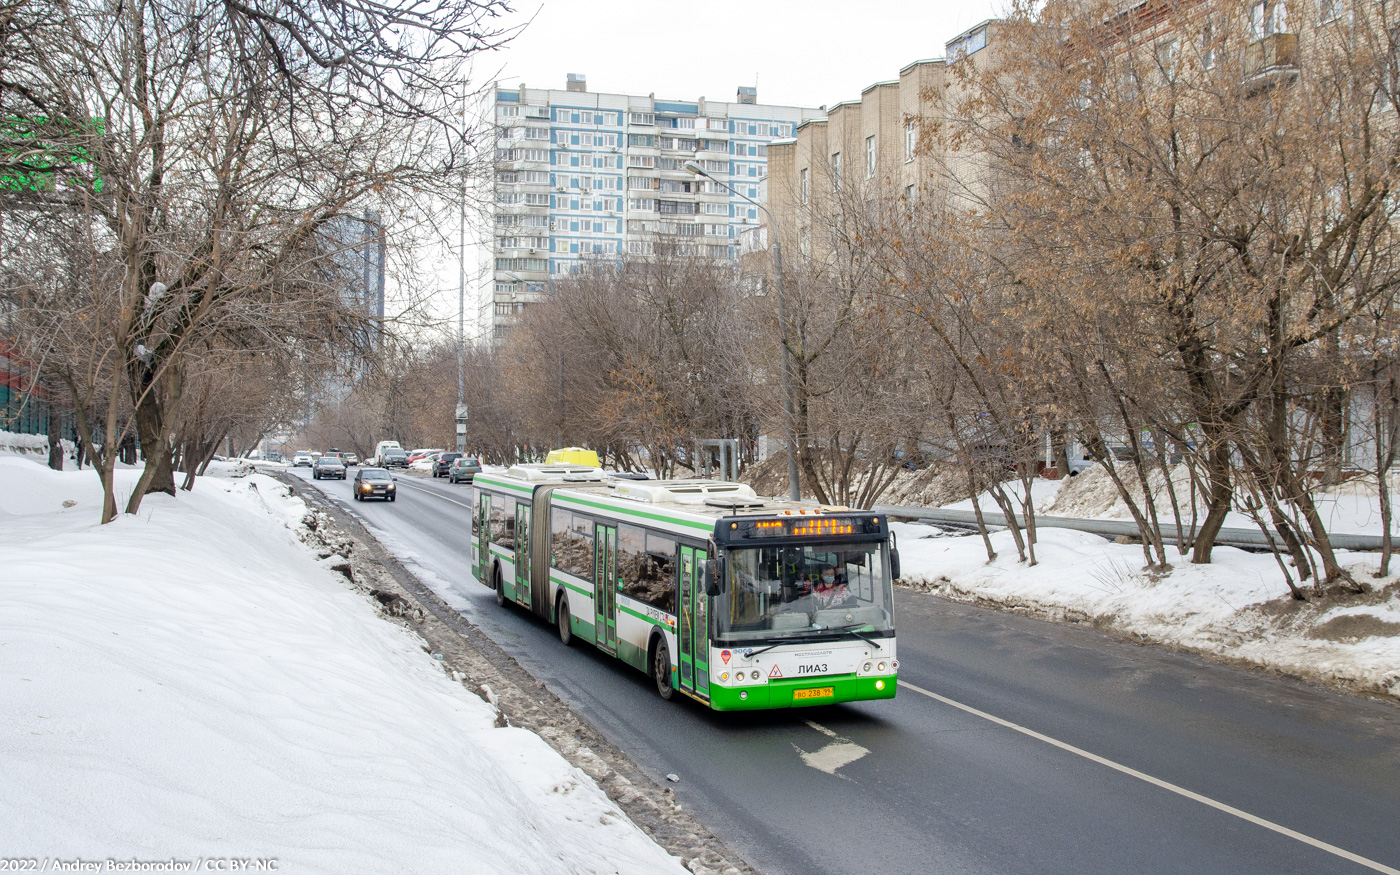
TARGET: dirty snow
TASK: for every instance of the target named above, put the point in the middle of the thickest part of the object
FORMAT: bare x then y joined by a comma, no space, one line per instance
193,682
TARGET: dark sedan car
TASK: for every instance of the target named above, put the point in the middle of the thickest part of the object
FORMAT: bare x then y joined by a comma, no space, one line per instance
328,467
392,457
442,462
374,483
463,469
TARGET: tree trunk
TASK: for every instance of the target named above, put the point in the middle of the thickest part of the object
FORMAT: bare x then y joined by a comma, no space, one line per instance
55,448
158,475
1059,446
1218,470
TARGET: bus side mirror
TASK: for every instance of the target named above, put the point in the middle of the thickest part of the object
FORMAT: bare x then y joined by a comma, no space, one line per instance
894,557
711,585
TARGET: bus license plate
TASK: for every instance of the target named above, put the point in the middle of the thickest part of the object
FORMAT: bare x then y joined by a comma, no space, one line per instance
814,693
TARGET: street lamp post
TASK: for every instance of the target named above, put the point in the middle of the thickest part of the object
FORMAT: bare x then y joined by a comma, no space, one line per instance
462,301
794,481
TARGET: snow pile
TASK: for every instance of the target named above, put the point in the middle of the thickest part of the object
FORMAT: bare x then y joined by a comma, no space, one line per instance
422,466
1235,608
16,444
192,682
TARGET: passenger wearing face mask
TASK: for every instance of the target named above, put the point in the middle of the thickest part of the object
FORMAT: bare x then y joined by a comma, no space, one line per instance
830,591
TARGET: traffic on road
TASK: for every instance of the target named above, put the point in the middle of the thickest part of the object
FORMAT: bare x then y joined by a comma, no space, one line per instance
1013,745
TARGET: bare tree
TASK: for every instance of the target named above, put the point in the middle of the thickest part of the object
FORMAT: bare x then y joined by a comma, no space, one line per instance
224,142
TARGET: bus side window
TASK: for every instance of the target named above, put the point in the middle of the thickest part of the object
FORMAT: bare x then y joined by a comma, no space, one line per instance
646,567
582,543
559,552
502,525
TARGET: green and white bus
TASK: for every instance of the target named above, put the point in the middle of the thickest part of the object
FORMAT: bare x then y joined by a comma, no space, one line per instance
704,586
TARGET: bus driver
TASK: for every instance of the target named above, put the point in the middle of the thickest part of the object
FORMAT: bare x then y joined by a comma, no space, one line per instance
830,591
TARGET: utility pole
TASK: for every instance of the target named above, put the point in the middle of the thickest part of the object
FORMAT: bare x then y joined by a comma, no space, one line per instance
462,293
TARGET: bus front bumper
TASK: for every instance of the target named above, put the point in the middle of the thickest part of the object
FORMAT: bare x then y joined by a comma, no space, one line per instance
802,693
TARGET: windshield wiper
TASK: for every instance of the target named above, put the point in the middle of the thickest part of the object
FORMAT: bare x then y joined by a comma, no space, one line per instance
749,654
854,630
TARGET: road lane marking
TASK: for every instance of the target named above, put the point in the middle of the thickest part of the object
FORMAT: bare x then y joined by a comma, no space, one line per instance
437,494
1158,782
841,752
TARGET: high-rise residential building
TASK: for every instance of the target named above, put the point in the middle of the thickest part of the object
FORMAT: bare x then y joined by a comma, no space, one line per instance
582,175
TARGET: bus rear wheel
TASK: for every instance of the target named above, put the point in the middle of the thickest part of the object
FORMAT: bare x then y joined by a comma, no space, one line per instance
661,669
566,629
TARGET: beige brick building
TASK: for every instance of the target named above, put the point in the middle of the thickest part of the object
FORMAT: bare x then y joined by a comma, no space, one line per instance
871,148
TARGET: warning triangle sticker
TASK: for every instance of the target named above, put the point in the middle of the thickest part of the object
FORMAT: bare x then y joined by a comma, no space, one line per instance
776,672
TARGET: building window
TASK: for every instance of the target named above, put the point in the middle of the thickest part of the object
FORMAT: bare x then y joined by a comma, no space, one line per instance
911,135
909,193
1328,10
805,186
961,48
869,157
836,170
1267,18
1167,60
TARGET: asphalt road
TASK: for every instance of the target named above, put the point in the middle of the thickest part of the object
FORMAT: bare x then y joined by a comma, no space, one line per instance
1014,746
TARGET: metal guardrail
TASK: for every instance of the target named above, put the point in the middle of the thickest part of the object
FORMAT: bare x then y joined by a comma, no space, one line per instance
1230,537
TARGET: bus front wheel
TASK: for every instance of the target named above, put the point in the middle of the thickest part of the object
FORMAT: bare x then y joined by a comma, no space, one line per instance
500,586
661,669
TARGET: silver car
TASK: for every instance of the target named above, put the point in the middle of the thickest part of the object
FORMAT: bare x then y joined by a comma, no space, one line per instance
328,467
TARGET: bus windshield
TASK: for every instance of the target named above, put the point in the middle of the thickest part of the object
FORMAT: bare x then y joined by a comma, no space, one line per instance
789,591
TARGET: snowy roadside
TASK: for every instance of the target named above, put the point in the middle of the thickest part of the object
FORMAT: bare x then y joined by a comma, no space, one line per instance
194,682
1237,608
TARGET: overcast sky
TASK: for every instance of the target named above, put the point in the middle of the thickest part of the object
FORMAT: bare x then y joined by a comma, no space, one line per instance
798,52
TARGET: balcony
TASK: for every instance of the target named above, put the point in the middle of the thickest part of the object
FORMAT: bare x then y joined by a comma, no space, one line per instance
1271,61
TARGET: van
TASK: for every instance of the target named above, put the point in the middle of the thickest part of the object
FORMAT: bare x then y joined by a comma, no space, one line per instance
572,456
379,449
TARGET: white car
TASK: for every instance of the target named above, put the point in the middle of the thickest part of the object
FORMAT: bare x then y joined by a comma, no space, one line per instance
303,457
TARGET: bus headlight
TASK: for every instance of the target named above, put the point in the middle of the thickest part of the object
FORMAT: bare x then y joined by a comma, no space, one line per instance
879,685
865,667
755,674
880,667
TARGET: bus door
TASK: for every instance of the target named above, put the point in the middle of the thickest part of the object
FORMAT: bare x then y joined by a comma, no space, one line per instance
693,633
482,549
605,586
522,554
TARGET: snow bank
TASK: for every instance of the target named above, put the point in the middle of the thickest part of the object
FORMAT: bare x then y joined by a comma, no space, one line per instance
192,682
1351,508
1237,607
34,445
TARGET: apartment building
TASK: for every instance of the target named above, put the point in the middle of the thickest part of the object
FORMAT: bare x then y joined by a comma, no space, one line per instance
871,148
583,175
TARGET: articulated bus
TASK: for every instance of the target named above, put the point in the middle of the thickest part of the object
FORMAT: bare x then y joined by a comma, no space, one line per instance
702,585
